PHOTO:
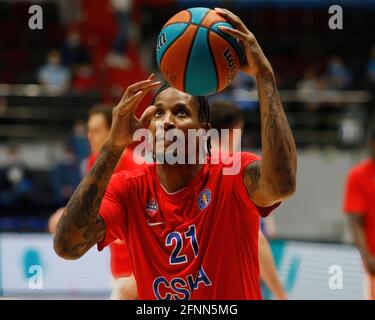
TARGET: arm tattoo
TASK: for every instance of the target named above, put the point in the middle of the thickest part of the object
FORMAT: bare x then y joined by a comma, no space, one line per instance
80,226
251,177
278,148
275,175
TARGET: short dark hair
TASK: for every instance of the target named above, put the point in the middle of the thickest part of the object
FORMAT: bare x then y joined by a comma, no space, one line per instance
105,110
224,114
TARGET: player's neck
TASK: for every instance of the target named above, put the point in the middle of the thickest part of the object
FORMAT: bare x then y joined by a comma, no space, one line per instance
176,177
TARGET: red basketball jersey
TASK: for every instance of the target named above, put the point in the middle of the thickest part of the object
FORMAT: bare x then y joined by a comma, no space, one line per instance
126,161
198,243
360,197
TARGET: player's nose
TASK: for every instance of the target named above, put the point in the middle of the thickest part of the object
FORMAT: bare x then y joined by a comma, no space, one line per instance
169,121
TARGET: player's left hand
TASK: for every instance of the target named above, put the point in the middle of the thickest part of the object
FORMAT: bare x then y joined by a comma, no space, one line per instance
257,63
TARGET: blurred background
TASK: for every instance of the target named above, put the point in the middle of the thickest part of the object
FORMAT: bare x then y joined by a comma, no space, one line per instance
89,51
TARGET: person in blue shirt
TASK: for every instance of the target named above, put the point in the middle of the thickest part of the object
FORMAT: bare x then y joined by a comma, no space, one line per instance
53,76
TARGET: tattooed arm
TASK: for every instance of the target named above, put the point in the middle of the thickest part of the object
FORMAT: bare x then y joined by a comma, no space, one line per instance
274,177
80,226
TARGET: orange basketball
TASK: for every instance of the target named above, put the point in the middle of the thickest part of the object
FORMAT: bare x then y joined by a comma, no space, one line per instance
194,56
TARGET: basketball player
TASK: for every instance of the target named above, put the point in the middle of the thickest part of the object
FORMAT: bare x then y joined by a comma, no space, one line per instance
359,206
226,115
192,231
123,282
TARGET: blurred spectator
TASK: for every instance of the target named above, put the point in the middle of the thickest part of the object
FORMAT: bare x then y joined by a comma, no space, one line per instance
239,92
310,81
69,11
338,76
78,141
241,86
15,184
308,86
84,79
65,177
3,105
118,57
73,52
77,58
243,81
53,76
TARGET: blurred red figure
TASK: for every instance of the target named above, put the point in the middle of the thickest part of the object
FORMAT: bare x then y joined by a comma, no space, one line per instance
359,206
118,56
123,284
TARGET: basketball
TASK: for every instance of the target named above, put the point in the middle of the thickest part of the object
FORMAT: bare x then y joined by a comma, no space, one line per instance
194,56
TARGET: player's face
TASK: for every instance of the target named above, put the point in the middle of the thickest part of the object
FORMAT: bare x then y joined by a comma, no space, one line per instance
175,110
97,132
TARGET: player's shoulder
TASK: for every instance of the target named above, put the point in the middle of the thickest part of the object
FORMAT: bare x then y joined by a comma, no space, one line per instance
233,164
359,169
129,178
133,174
249,157
228,158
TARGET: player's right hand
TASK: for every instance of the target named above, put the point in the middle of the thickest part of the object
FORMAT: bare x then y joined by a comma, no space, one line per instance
256,61
124,122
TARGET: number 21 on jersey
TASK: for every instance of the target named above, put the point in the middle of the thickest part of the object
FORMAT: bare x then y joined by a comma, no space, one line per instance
177,239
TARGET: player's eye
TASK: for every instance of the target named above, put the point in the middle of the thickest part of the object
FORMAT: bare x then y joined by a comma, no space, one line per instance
158,113
181,112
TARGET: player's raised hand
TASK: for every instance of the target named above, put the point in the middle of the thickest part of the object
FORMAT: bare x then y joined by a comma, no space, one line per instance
124,122
256,60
